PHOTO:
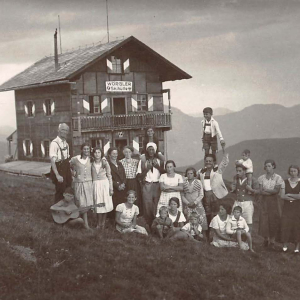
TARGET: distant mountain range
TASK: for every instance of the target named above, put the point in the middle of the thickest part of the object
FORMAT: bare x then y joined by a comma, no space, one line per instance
254,122
219,111
284,151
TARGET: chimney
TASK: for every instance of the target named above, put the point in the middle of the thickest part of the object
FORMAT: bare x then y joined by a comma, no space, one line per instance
55,50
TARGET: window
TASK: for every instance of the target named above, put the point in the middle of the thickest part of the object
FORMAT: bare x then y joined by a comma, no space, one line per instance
142,103
48,107
95,104
97,143
47,147
116,65
27,147
29,109
141,142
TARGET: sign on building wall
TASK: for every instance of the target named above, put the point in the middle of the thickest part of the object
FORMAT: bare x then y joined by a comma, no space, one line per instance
118,86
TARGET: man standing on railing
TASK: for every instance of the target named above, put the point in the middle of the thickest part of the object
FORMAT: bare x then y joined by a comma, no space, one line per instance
60,166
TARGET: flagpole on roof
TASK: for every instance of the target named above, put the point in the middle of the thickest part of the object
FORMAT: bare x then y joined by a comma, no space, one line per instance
107,21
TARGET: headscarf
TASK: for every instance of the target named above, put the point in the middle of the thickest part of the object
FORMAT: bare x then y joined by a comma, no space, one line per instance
152,145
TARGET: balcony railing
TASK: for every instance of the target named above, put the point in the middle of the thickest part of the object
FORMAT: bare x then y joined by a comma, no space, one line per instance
118,122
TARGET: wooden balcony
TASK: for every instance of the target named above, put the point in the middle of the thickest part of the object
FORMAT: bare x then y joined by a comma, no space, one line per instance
121,122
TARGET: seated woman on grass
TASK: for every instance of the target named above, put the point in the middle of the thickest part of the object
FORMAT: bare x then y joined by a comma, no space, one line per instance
175,215
126,214
218,224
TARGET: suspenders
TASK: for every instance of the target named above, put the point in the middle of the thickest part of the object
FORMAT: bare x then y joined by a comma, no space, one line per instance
61,151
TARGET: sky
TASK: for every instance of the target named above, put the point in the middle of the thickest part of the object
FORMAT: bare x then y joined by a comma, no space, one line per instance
239,52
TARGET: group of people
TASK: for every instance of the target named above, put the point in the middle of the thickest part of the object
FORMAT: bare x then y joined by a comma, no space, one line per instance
191,206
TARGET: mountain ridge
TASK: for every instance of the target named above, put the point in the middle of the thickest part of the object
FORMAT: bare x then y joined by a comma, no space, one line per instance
259,121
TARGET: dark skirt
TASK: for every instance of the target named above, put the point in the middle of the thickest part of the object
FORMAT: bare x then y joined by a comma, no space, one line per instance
290,222
269,217
133,184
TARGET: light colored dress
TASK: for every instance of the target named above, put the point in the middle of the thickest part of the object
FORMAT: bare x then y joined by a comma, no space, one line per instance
193,192
102,183
82,182
165,196
217,224
127,215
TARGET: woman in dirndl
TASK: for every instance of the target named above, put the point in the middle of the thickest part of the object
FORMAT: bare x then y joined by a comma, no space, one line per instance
82,182
102,186
290,219
269,217
192,196
171,184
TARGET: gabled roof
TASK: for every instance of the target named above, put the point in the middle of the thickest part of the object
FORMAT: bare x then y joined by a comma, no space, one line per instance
75,62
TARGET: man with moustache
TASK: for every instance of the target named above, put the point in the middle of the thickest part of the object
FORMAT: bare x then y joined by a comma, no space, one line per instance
60,166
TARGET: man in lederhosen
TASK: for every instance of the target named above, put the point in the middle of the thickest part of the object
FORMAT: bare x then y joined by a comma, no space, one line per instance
60,165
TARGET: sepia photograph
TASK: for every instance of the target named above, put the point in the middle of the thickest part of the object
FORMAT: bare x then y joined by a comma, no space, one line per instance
149,149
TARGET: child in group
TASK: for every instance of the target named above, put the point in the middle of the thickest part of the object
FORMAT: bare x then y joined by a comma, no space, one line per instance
211,129
247,163
162,225
237,225
193,227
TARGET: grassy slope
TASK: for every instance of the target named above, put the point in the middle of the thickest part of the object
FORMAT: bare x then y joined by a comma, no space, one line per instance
75,264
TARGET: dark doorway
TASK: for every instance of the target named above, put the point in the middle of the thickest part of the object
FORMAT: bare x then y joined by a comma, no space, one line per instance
120,145
119,106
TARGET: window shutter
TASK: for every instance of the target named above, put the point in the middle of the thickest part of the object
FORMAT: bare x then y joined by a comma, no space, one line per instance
105,104
150,102
109,64
126,66
52,107
135,144
134,105
43,148
33,109
86,106
26,110
24,148
31,148
44,108
106,147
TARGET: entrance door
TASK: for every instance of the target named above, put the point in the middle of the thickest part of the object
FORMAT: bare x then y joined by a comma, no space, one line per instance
120,143
119,106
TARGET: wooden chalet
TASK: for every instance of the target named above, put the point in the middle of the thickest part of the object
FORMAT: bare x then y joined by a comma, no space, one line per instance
108,94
